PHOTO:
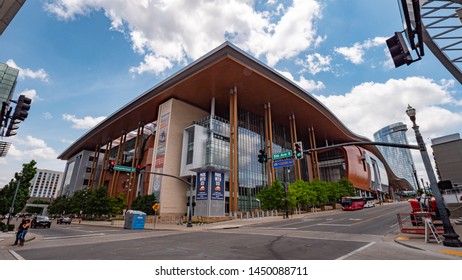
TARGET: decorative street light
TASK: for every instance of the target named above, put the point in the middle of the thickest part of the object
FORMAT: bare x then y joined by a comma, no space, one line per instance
451,239
11,210
190,202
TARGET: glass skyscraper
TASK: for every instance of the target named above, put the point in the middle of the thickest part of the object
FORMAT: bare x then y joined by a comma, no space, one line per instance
399,159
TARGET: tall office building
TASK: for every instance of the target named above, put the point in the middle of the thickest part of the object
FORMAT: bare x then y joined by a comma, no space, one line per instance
399,159
45,184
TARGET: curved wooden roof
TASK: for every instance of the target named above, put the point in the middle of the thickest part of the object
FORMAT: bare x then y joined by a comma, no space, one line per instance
212,76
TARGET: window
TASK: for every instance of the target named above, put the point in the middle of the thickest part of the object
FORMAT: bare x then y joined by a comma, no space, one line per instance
190,151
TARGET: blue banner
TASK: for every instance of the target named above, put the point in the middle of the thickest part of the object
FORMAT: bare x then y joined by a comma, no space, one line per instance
202,186
218,189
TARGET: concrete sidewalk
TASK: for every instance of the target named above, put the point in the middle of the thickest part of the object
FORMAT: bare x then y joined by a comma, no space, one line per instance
6,244
417,241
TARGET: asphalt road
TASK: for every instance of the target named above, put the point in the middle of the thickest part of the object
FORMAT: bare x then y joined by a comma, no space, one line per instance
359,235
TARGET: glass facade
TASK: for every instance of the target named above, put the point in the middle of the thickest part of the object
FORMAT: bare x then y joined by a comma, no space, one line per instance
252,174
8,77
332,165
399,159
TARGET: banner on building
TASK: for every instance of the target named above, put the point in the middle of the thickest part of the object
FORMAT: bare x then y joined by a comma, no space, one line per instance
218,189
202,186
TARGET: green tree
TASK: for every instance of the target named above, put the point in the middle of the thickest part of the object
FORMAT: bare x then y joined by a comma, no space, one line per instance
98,202
79,202
61,205
117,204
272,198
7,193
302,195
321,189
344,188
144,203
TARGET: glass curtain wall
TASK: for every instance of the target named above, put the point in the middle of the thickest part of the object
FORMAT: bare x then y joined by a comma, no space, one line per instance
252,174
281,143
332,165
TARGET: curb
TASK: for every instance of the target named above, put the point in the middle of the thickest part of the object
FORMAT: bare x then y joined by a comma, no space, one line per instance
407,245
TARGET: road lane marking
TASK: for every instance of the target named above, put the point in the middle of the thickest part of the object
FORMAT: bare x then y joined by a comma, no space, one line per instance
373,218
335,225
16,255
73,236
355,251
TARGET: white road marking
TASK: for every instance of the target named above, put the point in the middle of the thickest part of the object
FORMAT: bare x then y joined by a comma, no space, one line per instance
355,251
16,255
73,236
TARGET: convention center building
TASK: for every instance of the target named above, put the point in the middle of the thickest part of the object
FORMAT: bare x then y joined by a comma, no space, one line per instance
225,127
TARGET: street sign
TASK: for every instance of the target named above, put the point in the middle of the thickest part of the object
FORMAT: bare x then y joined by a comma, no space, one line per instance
124,168
283,163
156,207
282,155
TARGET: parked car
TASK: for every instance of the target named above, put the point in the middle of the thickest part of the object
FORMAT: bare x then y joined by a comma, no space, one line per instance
369,204
64,220
41,221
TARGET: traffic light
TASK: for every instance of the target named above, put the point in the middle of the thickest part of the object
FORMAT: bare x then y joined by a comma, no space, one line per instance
110,167
398,50
3,114
20,113
298,150
22,108
138,169
12,127
262,157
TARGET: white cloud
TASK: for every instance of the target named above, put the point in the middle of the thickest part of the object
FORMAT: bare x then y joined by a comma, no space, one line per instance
31,93
28,73
47,116
369,107
23,151
85,123
167,33
308,85
316,63
355,54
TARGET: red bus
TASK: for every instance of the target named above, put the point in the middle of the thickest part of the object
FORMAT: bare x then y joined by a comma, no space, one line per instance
350,203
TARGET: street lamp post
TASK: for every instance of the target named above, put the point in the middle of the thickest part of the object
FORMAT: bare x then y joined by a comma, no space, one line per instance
451,239
415,177
11,210
190,202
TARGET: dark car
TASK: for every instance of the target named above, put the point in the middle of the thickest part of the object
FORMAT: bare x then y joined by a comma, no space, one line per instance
41,221
64,220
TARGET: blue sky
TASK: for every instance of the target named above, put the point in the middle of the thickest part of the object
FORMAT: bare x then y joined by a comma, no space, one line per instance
82,60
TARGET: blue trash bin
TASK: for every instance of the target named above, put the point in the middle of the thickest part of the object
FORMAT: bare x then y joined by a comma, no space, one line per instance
134,219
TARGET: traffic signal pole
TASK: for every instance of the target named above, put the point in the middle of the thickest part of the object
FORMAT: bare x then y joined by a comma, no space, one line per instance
363,143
